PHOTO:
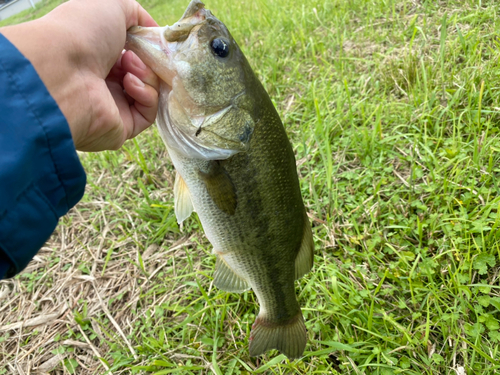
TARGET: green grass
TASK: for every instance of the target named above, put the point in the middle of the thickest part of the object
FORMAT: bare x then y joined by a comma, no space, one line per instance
41,9
393,111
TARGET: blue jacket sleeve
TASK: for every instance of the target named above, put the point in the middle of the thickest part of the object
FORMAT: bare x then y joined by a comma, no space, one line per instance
41,177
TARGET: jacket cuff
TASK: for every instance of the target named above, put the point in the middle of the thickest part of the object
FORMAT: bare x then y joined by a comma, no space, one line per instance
21,228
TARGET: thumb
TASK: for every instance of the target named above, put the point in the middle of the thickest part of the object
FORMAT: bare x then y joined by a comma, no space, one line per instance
136,15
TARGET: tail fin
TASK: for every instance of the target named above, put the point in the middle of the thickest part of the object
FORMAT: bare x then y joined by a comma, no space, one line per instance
289,338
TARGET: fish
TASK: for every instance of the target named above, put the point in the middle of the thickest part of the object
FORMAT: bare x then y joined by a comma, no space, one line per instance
235,167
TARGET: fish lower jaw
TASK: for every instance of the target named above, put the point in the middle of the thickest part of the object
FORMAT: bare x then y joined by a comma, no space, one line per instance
165,88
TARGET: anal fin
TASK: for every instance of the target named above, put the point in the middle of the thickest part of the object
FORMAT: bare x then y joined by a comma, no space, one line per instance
305,257
182,199
226,279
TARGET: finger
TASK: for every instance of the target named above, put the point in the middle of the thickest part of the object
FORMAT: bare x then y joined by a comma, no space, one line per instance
136,15
140,122
117,72
107,128
144,109
144,18
116,76
140,91
130,62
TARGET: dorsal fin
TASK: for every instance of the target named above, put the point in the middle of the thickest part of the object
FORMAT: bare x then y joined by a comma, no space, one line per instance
193,7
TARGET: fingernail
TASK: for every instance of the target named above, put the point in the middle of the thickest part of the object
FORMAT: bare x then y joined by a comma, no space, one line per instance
137,81
138,63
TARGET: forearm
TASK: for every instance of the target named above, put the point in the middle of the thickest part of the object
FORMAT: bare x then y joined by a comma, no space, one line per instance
41,177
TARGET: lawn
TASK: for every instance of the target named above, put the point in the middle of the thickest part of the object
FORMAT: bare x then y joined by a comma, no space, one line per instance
393,111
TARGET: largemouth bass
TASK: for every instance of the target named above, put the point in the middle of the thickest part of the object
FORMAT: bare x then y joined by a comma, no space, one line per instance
235,168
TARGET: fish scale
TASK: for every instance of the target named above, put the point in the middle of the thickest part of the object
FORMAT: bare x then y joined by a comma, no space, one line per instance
235,168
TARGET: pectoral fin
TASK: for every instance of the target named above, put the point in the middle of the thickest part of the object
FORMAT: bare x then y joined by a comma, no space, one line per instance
220,187
305,257
182,199
226,279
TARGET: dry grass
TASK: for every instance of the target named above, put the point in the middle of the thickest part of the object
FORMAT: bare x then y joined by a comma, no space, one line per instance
87,273
35,314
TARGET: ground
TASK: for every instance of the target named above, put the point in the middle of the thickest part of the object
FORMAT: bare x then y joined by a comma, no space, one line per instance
392,108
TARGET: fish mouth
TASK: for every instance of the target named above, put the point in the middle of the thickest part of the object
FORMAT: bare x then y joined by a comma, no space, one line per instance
148,44
156,45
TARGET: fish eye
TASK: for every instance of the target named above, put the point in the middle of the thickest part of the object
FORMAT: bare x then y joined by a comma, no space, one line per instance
220,47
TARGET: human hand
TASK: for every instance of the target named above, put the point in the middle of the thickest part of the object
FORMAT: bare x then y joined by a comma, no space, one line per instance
107,97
